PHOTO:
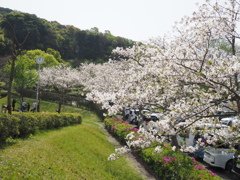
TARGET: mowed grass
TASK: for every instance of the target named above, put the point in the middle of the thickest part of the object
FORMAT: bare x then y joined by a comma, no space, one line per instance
74,152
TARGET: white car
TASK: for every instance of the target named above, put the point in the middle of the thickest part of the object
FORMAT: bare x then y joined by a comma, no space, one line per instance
219,157
190,139
229,121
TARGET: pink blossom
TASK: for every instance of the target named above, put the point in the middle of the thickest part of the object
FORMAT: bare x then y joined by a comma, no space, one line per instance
212,173
199,167
169,159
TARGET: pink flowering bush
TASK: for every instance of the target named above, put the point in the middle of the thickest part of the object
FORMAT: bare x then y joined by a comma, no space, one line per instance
119,127
175,165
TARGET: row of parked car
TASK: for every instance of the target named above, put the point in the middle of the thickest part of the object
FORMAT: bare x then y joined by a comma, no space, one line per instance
133,116
222,157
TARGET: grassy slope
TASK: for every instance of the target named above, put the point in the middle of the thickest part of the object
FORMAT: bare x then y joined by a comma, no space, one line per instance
74,152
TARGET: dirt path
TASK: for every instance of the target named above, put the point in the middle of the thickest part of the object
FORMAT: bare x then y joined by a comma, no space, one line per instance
140,166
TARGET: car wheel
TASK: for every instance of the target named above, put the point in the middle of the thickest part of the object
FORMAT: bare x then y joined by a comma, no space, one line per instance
229,165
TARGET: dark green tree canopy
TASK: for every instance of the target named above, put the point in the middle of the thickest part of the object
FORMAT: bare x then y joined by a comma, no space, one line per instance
74,45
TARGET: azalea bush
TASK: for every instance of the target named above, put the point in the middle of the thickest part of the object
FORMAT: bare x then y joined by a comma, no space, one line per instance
169,163
119,127
175,165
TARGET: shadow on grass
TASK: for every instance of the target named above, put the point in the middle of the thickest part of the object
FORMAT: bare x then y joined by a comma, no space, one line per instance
11,141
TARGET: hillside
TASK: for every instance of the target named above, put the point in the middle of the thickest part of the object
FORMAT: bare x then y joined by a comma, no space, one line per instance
75,45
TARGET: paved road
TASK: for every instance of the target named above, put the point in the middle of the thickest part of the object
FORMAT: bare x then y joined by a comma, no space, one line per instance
222,173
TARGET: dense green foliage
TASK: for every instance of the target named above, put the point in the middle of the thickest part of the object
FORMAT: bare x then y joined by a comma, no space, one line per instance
24,124
74,45
168,164
3,92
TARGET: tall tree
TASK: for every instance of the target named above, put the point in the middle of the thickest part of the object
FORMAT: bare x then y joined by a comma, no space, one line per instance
12,25
24,77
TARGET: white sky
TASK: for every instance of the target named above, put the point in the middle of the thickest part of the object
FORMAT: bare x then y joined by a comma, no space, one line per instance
138,20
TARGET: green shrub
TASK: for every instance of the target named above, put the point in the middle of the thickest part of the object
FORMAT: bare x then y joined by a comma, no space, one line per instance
27,124
119,127
22,124
173,165
9,127
3,93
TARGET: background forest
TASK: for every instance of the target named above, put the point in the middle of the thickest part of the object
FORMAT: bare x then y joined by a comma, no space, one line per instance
74,45
24,37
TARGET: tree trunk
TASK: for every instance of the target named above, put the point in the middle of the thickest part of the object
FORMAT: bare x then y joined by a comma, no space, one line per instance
59,107
9,106
174,141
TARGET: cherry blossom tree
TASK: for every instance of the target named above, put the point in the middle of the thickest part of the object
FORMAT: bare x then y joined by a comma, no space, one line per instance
61,78
188,75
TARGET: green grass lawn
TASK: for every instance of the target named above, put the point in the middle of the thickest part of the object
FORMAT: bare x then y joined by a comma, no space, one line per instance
44,105
74,152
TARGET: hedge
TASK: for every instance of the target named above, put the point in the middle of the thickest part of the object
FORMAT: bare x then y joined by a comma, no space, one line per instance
168,164
23,124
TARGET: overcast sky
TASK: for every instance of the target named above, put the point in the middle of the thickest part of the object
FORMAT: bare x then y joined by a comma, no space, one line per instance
137,20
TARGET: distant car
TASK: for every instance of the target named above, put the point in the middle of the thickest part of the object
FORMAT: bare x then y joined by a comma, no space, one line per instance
199,153
143,116
191,139
224,114
126,113
151,118
229,121
133,117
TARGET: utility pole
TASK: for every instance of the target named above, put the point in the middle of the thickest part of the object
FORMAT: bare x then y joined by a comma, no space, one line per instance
39,61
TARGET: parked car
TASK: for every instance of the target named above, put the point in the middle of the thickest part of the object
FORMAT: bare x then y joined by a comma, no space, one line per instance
199,153
236,162
151,118
126,112
229,121
190,139
143,116
224,114
133,117
219,157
